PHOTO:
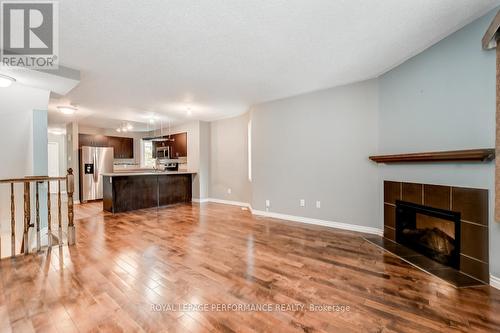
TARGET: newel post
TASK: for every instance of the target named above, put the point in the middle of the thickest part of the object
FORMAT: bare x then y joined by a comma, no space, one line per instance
70,188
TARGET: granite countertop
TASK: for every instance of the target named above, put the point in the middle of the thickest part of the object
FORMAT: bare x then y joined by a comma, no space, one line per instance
147,173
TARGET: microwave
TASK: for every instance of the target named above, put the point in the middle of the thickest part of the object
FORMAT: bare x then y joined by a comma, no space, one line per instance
163,152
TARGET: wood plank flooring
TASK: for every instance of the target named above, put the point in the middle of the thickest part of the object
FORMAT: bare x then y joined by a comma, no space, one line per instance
124,264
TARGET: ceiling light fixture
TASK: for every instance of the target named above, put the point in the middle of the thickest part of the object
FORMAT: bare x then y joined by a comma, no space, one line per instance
125,127
6,81
67,109
189,112
57,131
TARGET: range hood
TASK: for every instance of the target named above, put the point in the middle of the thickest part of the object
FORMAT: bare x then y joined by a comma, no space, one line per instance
161,137
165,138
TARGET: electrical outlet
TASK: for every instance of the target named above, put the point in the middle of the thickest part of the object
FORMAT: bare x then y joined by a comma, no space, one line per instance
268,203
229,191
318,204
302,203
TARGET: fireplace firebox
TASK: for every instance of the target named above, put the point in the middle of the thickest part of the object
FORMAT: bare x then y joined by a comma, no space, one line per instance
430,231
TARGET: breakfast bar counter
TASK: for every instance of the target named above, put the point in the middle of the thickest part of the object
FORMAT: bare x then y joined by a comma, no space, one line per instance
126,191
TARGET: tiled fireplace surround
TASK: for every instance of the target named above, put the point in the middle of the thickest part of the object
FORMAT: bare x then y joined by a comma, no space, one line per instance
471,203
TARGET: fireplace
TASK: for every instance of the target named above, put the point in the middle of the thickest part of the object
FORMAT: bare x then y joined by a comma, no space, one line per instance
446,223
430,231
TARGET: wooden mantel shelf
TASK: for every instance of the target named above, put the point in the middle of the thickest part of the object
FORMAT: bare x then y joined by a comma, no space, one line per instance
471,155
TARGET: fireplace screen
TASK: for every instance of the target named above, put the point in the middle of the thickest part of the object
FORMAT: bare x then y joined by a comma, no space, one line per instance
432,232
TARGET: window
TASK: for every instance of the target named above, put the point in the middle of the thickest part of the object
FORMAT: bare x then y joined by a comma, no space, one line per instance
249,138
147,154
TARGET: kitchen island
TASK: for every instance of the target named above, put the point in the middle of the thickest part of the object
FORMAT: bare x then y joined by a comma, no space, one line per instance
126,191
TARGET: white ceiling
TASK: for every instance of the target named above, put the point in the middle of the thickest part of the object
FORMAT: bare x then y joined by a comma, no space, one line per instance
139,58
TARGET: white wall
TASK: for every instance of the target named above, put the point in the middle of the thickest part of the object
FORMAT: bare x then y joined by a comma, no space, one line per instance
17,104
229,159
315,147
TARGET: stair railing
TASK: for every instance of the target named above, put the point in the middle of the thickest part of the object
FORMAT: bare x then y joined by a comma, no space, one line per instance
28,224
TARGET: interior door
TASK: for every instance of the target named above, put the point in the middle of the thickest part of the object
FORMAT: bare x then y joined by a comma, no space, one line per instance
53,164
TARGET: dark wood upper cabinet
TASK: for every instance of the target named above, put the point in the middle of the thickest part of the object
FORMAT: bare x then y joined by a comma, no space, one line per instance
128,147
85,140
178,145
122,147
100,141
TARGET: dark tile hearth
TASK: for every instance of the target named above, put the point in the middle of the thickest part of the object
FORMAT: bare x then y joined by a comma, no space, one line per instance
448,274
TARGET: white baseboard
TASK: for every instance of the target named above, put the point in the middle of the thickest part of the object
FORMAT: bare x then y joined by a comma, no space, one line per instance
229,202
308,220
495,282
331,224
200,200
221,201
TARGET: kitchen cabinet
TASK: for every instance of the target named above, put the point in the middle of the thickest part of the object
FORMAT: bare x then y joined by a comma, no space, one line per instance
178,145
122,147
92,140
100,141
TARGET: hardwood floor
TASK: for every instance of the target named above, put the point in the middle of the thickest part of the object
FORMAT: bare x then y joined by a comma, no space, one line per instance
124,264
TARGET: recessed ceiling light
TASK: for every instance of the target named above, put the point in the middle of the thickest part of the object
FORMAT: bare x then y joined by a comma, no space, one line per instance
130,127
67,109
57,131
6,81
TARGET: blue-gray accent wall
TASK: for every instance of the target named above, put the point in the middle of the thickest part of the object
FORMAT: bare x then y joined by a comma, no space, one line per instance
443,99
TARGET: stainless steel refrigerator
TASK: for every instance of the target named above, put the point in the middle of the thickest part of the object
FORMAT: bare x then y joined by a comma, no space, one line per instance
94,161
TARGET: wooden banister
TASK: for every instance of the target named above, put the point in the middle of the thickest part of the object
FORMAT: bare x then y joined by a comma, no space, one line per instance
12,221
49,217
70,188
37,181
27,217
37,216
59,213
31,179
